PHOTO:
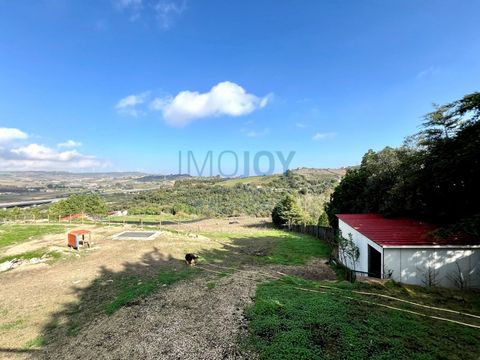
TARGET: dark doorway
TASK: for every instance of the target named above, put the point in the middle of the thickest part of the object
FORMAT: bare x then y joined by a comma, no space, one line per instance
374,262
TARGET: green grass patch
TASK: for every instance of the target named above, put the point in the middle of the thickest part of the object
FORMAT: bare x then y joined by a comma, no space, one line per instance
222,235
11,325
36,342
133,289
288,323
296,249
152,218
54,255
223,274
14,234
281,247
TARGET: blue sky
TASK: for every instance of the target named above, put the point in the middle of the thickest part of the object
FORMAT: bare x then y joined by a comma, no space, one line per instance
127,84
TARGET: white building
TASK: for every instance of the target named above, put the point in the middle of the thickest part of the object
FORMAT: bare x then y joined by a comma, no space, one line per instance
406,249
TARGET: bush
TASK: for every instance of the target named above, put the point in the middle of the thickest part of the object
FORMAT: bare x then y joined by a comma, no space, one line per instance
287,212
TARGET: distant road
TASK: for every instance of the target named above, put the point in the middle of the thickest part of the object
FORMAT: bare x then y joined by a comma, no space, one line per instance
28,203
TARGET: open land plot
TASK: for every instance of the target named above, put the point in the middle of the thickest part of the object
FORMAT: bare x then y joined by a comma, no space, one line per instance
256,292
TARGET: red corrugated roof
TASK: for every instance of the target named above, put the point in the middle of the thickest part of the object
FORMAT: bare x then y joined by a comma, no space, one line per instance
73,216
401,231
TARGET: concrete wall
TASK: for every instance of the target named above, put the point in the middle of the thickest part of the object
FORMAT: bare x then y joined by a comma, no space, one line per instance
410,265
362,242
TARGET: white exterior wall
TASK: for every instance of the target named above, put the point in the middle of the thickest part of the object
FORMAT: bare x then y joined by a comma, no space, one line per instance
410,265
362,242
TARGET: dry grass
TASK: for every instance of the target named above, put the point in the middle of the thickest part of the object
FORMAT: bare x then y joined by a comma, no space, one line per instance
41,296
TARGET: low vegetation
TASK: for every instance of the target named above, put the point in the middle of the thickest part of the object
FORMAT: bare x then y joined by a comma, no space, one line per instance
15,234
134,288
159,218
296,249
291,317
296,319
267,247
32,255
253,196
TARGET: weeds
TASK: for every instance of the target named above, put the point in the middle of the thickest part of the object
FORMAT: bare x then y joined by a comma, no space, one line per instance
288,323
134,289
13,234
33,254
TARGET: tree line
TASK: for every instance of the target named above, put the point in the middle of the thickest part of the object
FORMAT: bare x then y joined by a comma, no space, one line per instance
433,176
207,197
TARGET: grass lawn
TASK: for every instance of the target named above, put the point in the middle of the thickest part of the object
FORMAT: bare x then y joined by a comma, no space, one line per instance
296,249
14,234
282,247
289,323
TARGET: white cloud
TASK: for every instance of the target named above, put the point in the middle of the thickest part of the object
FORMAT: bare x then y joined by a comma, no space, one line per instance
300,125
40,157
70,144
167,11
9,134
432,70
323,136
164,12
253,133
129,104
225,98
122,4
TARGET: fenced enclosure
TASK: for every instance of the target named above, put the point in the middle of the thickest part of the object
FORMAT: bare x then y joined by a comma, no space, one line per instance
329,235
324,233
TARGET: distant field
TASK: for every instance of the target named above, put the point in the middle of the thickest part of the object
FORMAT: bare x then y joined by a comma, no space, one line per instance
14,234
151,218
252,180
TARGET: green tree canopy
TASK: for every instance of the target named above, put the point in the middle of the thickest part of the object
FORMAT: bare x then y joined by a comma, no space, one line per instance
91,204
287,212
435,179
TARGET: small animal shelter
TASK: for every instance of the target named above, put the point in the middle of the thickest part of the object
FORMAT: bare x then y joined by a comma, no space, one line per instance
79,237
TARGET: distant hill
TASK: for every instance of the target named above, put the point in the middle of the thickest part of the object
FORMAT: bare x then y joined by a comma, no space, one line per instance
66,174
216,196
154,178
302,175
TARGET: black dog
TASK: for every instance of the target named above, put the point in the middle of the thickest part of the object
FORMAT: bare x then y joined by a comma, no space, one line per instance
190,259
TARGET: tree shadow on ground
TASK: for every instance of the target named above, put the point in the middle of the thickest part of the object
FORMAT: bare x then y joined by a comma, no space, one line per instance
140,278
93,299
262,225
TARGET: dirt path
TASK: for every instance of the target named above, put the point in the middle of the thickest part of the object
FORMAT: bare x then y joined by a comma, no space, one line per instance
189,320
203,318
199,318
30,294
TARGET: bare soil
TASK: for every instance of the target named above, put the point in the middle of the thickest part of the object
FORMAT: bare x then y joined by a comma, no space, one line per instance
187,321
201,318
